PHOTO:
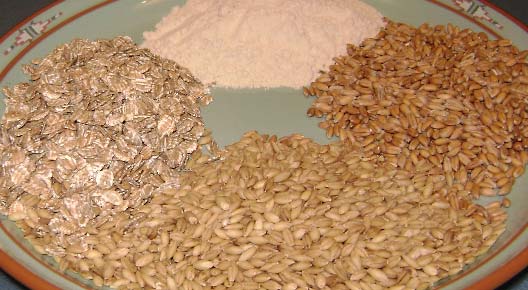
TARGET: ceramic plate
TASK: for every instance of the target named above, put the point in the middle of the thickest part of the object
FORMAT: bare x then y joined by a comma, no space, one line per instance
275,111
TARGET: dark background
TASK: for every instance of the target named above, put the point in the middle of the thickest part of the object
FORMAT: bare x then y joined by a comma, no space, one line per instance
14,11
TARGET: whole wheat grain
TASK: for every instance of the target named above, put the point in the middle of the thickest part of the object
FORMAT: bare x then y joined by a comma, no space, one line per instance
440,99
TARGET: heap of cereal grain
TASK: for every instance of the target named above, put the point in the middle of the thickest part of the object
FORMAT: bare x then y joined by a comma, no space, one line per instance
442,100
291,214
98,128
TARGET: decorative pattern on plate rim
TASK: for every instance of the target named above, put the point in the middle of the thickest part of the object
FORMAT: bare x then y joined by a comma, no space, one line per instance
476,10
29,32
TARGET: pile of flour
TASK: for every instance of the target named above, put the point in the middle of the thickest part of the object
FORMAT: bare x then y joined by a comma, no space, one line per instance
261,43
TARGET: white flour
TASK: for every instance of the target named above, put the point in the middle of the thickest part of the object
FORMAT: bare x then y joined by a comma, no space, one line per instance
261,43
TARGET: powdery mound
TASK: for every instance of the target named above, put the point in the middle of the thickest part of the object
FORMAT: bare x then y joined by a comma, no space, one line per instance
254,44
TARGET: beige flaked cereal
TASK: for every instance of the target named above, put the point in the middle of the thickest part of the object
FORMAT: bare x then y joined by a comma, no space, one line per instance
437,99
99,127
350,224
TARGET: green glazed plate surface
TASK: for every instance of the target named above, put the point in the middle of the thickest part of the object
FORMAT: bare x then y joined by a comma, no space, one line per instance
278,111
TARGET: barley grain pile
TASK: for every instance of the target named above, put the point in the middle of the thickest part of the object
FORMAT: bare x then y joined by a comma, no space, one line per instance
287,214
441,100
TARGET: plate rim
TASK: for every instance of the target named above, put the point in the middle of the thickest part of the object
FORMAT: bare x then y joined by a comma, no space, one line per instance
24,275
503,12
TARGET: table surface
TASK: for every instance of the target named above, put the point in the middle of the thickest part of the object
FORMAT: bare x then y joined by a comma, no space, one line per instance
15,11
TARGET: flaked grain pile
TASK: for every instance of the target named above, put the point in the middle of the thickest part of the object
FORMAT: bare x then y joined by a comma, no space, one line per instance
98,128
442,100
